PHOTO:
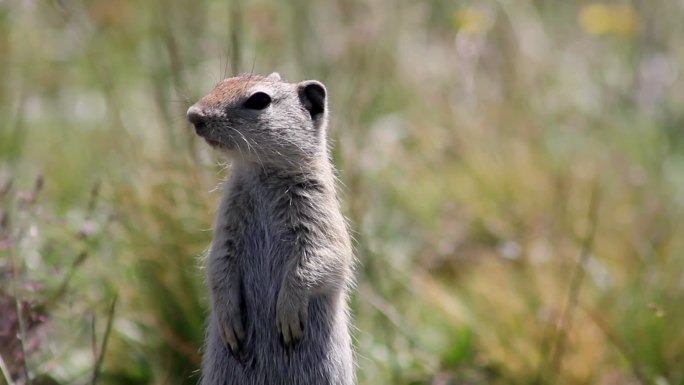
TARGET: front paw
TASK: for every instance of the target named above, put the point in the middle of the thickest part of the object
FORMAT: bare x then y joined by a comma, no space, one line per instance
231,327
291,315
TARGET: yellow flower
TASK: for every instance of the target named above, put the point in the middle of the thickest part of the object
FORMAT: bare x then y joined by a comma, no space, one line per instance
470,20
604,19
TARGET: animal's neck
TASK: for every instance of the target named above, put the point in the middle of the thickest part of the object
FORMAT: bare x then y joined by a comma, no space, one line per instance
314,169
271,192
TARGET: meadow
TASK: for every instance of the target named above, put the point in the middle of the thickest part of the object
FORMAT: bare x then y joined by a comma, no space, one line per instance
513,172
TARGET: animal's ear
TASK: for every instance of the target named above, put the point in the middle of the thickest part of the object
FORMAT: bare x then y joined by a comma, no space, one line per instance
274,76
312,95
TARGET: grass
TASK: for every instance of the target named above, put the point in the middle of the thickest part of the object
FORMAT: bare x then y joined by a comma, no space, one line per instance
513,174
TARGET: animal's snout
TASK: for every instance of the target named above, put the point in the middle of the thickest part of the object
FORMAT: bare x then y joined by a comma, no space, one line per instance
197,118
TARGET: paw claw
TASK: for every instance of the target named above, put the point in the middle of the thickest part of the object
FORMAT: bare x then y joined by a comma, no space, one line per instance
291,314
231,328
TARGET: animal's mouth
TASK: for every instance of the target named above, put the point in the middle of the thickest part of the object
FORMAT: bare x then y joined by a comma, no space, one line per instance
202,132
215,143
212,137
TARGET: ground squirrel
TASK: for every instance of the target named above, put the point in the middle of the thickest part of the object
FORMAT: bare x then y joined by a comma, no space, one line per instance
280,263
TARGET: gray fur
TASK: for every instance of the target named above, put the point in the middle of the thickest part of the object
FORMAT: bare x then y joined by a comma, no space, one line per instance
280,263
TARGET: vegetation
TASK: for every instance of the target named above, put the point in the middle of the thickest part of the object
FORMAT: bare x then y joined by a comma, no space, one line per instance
513,171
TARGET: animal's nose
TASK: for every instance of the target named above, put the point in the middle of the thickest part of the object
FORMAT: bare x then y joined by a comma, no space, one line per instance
196,117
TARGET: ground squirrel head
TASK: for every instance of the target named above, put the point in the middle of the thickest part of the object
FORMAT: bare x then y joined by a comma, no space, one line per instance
264,119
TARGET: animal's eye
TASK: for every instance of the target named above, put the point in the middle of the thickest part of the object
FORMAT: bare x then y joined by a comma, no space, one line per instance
258,101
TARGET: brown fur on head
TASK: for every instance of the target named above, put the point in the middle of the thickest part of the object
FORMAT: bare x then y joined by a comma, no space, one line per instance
264,119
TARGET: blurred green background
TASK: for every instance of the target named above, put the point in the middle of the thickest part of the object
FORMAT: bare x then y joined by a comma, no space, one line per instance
513,172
